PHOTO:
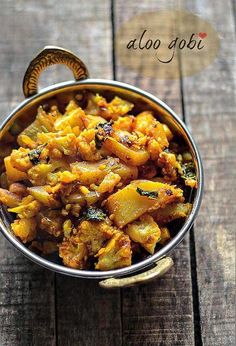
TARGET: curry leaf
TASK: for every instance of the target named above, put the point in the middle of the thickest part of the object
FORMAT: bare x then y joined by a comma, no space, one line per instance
94,214
188,170
34,155
149,194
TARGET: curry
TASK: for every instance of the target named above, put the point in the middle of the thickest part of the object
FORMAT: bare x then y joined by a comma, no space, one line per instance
94,183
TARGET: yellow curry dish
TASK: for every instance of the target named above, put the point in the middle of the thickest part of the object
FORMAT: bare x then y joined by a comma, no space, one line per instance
95,183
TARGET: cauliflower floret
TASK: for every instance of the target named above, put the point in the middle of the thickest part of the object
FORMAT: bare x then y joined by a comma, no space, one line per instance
144,121
20,159
25,229
91,121
124,123
28,208
72,118
66,144
169,165
119,107
95,234
87,146
44,122
97,105
154,148
116,254
38,174
144,231
73,253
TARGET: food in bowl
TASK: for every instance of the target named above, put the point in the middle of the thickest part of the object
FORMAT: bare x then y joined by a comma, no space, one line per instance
94,183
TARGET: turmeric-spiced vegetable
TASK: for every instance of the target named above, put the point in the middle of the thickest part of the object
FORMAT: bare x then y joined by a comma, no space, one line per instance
95,183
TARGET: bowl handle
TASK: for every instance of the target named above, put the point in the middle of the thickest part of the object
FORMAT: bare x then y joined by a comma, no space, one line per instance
161,267
51,55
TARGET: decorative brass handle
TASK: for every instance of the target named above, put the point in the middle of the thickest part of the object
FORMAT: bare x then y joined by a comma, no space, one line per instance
51,55
161,267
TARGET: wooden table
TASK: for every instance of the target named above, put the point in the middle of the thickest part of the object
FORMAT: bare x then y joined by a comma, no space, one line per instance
193,303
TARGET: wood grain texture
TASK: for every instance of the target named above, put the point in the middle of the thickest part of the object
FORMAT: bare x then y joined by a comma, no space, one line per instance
26,301
87,314
161,312
210,101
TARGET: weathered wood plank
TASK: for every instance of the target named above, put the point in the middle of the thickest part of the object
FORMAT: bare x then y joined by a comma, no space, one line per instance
27,306
26,301
161,312
86,314
210,101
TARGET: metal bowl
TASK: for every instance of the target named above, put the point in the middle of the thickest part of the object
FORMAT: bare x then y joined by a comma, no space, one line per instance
158,262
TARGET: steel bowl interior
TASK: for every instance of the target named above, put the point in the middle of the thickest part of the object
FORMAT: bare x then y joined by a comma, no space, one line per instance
143,100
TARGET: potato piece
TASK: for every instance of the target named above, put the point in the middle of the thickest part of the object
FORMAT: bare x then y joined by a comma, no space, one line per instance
171,212
73,253
165,235
134,157
95,234
116,254
94,172
9,199
126,172
144,231
89,172
25,229
82,199
92,197
13,174
128,205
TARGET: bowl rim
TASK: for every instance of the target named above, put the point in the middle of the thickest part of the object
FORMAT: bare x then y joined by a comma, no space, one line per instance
150,259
